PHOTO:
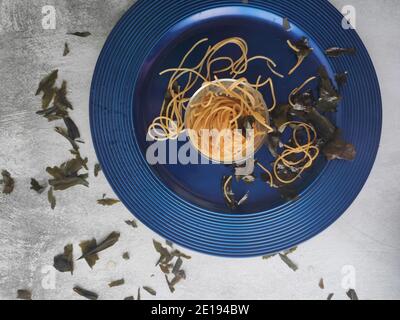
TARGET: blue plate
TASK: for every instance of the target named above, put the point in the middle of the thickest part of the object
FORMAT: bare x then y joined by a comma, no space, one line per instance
184,203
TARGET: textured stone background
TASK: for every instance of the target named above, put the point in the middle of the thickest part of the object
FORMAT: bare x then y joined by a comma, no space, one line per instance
366,237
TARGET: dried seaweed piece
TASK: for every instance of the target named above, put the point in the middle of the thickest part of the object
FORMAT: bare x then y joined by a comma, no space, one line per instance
129,298
288,262
335,52
177,253
105,244
97,169
7,181
86,247
269,256
36,186
165,256
286,24
165,267
126,256
321,284
177,266
107,201
138,294
330,296
290,251
171,288
175,280
150,290
131,223
341,78
352,294
47,97
279,115
64,133
24,294
116,283
66,49
47,82
326,130
86,293
339,149
66,176
73,131
60,100
51,198
329,98
83,34
64,262
246,123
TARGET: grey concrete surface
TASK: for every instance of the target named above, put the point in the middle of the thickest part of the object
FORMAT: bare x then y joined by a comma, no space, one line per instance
366,237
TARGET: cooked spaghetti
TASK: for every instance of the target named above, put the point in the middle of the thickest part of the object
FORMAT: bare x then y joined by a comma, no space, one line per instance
214,125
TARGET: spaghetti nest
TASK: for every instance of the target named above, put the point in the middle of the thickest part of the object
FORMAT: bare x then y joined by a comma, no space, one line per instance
227,120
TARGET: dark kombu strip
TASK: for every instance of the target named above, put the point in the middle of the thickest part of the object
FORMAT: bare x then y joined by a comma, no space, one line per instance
335,52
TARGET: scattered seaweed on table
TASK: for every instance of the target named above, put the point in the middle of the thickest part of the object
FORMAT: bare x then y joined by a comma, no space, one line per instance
64,262
352,294
66,49
330,296
82,34
116,283
7,181
150,290
86,293
97,169
335,52
111,239
130,298
138,294
107,201
36,186
24,294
